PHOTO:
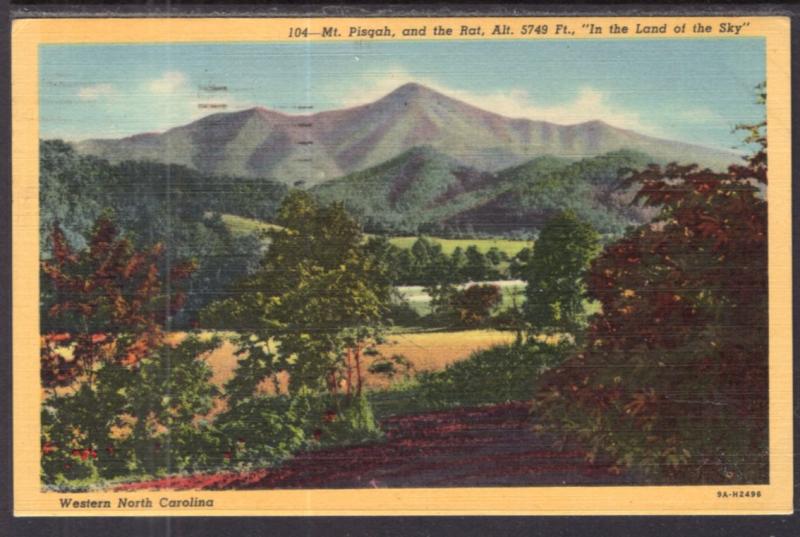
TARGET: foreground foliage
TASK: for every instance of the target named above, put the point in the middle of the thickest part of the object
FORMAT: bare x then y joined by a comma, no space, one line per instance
499,374
119,399
673,380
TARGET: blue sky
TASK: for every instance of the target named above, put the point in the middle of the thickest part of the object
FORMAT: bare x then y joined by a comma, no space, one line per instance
693,90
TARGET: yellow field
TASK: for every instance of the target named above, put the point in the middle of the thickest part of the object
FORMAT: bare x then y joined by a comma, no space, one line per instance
511,247
238,225
432,351
427,351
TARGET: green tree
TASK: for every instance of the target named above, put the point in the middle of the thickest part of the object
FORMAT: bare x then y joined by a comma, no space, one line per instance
477,268
518,267
320,293
458,263
555,277
431,265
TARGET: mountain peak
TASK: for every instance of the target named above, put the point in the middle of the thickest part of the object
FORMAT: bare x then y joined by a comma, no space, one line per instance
410,90
262,112
593,123
259,142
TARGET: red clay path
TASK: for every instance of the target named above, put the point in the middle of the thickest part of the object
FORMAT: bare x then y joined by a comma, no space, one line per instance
484,446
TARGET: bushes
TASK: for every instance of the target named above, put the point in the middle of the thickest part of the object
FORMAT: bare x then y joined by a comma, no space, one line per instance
347,421
141,421
262,430
151,422
496,375
499,374
265,430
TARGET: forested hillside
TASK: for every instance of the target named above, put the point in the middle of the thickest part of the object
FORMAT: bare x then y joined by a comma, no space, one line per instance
425,190
154,203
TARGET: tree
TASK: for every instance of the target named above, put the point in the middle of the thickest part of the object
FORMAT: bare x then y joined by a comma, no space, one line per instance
105,303
518,267
477,267
496,258
474,304
555,290
458,263
674,378
442,299
431,265
321,294
120,397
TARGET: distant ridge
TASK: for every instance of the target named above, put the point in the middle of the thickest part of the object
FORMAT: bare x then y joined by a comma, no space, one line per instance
311,149
424,189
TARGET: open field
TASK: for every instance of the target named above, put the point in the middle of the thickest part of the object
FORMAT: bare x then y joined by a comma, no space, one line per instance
432,351
240,225
427,351
509,246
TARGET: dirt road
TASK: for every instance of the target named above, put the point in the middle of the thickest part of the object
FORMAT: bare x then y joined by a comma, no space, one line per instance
485,446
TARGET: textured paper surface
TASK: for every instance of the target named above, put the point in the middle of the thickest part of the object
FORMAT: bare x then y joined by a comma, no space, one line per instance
391,39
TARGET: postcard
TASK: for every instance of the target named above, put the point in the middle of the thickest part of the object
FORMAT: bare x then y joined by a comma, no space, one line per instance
402,266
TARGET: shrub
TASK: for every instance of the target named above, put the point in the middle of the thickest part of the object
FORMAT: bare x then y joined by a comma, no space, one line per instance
262,430
499,374
141,421
391,366
348,421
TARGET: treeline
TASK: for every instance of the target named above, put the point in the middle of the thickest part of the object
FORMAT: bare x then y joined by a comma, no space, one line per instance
425,263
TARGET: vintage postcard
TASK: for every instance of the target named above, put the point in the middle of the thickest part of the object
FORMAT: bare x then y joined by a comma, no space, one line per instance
337,266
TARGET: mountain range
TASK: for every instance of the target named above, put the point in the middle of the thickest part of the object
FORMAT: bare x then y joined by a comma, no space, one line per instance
309,150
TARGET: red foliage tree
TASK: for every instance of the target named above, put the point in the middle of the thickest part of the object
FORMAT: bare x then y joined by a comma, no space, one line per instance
673,380
474,305
105,303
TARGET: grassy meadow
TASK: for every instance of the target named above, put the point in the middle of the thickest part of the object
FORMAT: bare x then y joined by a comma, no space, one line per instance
426,351
240,226
509,246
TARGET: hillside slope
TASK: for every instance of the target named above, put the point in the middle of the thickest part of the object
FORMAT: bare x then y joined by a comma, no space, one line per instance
425,188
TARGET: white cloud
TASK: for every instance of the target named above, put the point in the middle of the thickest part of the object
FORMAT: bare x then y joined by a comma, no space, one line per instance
586,104
168,83
95,92
181,102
